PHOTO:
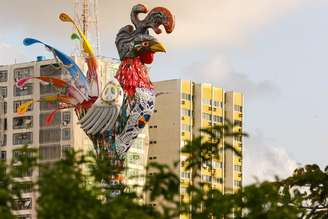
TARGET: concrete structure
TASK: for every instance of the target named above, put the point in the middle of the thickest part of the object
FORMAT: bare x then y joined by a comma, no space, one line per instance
61,135
181,110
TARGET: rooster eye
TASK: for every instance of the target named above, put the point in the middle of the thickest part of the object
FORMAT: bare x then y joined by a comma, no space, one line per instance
145,44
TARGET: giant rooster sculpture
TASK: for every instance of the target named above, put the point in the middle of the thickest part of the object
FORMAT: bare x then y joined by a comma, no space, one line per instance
114,117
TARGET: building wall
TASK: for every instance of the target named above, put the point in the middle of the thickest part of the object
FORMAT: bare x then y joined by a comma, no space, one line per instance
234,103
64,133
182,108
30,128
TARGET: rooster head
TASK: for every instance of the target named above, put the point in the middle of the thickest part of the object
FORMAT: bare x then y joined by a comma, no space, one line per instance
136,41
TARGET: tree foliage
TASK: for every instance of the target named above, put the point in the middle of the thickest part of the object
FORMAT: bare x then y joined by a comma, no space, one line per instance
82,187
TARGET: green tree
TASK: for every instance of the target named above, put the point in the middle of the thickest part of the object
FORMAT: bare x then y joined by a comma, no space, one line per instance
82,187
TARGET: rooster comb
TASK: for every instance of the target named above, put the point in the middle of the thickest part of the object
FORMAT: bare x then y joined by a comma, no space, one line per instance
155,18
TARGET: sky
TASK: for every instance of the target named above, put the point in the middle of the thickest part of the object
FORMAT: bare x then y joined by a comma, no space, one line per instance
274,51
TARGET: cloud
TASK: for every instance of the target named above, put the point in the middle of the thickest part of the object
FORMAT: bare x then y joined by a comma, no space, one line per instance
208,22
10,54
263,160
218,71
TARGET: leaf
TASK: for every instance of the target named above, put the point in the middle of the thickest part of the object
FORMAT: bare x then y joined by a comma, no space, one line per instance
75,36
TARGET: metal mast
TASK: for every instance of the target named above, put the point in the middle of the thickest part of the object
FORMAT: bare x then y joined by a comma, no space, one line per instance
86,16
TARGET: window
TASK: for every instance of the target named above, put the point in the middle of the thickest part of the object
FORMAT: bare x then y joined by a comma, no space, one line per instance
237,168
23,122
26,90
238,123
66,134
49,135
218,180
18,154
4,107
132,173
47,89
3,155
207,101
134,156
217,118
50,70
22,138
4,141
65,149
207,116
238,108
20,102
22,204
55,122
238,138
45,106
152,142
237,183
185,175
185,112
25,187
50,152
3,91
5,124
20,172
184,142
67,117
24,216
23,73
206,178
183,190
218,103
3,76
186,96
185,127
217,165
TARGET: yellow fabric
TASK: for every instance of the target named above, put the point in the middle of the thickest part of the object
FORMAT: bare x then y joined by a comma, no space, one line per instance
24,107
86,45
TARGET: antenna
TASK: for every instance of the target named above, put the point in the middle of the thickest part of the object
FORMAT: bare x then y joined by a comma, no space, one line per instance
2,119
86,16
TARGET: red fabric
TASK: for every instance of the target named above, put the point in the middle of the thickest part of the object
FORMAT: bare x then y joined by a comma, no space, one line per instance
147,58
133,74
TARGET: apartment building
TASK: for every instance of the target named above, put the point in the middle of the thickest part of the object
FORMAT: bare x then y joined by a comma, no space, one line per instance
51,140
182,108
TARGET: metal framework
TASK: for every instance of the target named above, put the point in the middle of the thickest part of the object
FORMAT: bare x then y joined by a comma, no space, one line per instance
86,16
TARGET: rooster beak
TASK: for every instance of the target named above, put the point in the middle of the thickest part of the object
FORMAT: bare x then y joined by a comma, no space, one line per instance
157,47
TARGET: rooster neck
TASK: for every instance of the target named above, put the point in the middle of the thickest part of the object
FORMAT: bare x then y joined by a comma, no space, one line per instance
133,74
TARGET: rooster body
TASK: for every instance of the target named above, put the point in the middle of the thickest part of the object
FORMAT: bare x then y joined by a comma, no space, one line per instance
114,117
